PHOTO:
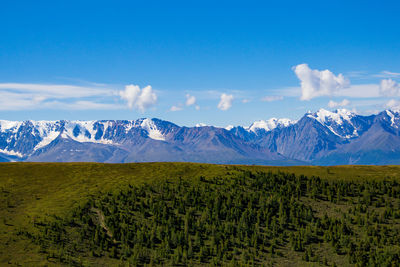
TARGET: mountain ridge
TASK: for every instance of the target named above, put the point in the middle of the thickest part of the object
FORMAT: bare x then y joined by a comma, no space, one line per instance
323,137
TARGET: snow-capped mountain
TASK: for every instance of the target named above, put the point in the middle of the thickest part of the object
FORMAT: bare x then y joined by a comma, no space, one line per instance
341,122
394,116
260,126
323,137
22,139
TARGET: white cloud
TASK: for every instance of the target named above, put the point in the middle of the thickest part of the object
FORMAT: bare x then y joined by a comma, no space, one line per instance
190,100
197,107
226,102
245,100
388,87
175,108
333,104
315,83
140,99
271,98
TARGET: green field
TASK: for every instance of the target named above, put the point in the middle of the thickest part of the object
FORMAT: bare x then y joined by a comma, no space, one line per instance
34,195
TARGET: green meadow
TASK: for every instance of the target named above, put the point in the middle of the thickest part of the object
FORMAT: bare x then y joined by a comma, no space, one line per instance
92,214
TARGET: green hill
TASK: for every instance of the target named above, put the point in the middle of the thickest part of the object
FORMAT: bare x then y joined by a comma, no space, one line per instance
89,214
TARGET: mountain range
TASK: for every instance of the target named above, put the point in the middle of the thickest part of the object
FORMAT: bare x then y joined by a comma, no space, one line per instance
319,138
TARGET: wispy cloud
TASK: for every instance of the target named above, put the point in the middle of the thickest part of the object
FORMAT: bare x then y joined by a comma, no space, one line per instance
353,91
190,100
359,91
357,74
29,96
343,103
16,101
271,98
393,104
387,74
56,90
81,105
175,108
364,75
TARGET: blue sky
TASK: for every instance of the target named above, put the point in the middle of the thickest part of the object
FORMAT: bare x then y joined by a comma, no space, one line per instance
215,62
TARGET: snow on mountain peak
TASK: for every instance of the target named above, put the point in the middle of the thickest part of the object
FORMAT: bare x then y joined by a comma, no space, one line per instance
47,140
269,125
338,116
345,112
84,131
7,125
152,130
394,117
338,122
229,127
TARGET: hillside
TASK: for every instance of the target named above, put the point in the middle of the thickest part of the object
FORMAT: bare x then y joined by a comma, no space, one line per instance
93,208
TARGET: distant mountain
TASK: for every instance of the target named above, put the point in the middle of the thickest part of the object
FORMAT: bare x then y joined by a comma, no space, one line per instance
322,137
316,134
378,144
